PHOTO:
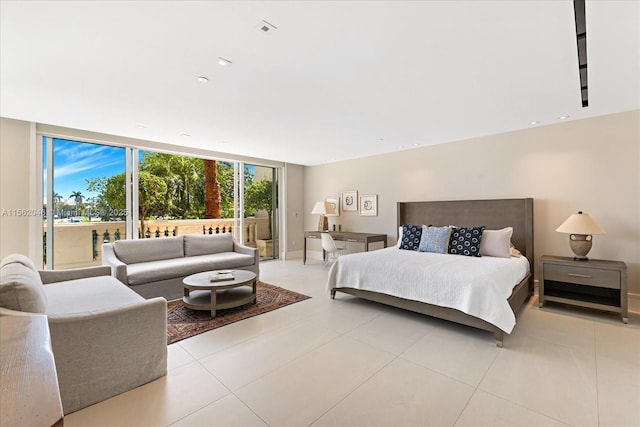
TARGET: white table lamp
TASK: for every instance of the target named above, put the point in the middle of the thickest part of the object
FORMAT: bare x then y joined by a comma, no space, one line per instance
580,227
322,209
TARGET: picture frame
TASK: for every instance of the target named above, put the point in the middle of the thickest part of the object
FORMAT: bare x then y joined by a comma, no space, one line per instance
369,205
335,201
350,200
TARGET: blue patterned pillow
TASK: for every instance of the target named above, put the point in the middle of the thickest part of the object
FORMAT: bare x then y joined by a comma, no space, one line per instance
435,239
411,235
466,241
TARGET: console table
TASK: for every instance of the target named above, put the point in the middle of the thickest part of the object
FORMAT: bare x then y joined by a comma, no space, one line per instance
30,394
344,236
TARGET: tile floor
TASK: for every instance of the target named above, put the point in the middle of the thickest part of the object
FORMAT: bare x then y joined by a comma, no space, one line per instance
349,362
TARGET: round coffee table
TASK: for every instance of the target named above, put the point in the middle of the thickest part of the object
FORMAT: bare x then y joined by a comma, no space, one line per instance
202,294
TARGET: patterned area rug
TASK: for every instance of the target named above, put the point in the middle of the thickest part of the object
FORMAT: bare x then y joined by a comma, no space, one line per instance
184,323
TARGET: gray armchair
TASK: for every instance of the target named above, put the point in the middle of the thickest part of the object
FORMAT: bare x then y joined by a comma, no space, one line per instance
106,339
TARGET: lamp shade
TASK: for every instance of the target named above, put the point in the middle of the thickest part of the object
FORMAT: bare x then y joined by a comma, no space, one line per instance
580,223
323,208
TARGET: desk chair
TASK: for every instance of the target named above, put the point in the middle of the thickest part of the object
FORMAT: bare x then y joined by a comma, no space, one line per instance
329,245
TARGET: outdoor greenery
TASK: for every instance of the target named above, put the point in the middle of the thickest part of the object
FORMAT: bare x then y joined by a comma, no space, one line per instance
174,187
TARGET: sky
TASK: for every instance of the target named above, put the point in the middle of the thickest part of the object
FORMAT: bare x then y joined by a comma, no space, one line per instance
75,161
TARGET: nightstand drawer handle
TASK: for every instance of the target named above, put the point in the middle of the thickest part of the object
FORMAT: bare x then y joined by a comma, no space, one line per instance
579,275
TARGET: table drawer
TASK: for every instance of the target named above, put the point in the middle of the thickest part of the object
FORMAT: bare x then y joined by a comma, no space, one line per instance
582,275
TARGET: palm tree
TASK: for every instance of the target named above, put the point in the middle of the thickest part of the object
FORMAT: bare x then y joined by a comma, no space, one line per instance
77,197
211,190
57,198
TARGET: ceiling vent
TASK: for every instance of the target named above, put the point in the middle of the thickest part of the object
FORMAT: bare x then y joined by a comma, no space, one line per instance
266,27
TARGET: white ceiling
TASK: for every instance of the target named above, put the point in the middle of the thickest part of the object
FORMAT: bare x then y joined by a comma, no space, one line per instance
337,80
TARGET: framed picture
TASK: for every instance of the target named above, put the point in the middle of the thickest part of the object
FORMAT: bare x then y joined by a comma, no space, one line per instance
335,201
369,205
350,200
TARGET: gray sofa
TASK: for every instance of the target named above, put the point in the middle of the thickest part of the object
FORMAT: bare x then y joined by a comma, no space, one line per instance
156,267
106,339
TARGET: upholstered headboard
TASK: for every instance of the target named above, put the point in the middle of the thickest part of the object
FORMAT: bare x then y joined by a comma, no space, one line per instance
493,214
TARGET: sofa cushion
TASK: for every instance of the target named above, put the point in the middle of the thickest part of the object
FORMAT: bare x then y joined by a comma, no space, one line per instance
153,271
143,250
21,288
195,244
90,295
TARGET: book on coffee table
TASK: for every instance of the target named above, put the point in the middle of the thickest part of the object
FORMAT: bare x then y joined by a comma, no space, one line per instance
217,277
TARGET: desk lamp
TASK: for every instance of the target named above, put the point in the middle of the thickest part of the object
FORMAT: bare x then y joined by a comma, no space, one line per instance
322,209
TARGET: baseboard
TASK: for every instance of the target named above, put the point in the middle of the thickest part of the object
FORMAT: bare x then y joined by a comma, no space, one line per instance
291,255
317,255
634,302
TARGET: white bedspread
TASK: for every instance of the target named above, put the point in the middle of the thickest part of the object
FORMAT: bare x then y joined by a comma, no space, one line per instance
476,286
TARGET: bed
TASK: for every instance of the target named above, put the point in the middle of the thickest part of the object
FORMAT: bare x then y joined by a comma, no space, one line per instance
494,214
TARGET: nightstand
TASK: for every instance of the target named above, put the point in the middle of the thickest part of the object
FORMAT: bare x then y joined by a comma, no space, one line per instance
597,284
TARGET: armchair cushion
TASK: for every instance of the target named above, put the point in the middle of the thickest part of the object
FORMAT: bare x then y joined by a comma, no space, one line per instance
84,296
20,287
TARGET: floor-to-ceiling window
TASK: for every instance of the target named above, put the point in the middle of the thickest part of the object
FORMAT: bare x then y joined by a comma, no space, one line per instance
117,193
260,201
78,216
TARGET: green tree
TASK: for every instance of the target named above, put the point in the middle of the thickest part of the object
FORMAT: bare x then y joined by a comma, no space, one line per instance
100,206
225,182
152,192
259,196
184,177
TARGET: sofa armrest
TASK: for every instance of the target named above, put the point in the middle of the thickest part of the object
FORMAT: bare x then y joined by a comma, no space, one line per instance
246,250
51,276
118,268
101,354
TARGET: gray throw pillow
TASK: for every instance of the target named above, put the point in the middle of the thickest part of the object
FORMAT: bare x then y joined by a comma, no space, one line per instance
435,239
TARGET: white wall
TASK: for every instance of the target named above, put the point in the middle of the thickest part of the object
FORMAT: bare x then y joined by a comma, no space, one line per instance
15,192
294,211
591,165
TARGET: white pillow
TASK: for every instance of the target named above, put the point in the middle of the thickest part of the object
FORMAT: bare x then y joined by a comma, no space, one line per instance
496,243
399,236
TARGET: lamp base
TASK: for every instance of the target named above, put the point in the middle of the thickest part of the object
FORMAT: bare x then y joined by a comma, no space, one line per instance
323,223
580,245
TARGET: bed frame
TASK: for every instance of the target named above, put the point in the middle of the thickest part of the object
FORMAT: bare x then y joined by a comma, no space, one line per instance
494,214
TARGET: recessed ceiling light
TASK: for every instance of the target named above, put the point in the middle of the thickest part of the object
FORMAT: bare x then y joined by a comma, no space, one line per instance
533,123
380,139
563,117
186,135
223,62
141,126
203,79
265,27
